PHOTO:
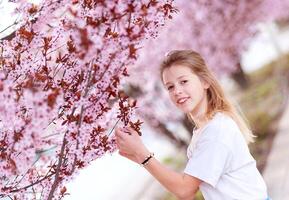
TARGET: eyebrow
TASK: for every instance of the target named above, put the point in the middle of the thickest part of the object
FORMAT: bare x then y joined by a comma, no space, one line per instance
177,78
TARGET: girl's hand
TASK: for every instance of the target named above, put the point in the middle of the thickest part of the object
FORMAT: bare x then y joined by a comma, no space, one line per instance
130,144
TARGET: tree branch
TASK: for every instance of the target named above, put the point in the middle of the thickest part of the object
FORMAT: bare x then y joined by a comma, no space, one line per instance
55,183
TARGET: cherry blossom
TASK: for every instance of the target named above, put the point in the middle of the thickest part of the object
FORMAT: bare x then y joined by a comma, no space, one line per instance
61,88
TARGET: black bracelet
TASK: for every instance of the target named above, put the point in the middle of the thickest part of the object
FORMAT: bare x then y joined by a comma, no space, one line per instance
145,162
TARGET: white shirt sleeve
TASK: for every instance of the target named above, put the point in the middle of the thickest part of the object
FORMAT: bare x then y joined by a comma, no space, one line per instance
208,161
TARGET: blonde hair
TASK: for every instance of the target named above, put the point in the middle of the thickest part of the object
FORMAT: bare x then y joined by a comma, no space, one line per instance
217,101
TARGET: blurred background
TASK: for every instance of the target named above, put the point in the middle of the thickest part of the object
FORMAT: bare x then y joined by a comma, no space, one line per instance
246,44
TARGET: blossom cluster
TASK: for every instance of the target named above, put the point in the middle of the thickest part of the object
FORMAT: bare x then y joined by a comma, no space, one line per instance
220,30
60,88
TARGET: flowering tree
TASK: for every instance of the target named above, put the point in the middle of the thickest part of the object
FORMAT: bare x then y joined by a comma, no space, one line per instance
220,30
60,84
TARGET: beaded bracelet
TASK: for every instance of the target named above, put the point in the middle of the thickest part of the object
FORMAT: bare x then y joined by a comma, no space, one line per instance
145,162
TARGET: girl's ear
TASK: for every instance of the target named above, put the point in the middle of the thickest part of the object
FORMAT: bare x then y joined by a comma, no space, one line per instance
206,85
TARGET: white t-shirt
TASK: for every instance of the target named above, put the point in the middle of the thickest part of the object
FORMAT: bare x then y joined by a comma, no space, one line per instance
219,156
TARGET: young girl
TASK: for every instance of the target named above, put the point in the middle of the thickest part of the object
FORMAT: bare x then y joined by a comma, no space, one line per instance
219,161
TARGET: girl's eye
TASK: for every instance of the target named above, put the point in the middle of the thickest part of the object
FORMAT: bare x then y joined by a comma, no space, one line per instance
184,81
170,87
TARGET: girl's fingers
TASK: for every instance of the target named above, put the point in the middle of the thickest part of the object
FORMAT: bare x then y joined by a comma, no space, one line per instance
122,153
133,131
117,132
129,156
127,131
121,131
119,140
132,158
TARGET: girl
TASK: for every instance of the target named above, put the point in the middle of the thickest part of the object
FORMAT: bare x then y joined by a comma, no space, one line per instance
219,161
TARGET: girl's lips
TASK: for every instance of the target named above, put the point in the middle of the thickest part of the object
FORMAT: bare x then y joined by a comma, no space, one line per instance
182,100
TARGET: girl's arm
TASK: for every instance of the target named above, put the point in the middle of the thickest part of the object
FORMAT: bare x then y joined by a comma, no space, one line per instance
180,184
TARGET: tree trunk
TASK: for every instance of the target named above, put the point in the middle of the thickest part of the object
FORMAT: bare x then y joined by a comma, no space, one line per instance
188,125
240,77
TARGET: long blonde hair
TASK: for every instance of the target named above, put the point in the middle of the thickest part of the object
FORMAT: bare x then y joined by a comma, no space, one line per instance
217,101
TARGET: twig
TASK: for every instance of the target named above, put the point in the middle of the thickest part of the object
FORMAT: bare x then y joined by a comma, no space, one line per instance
15,22
30,185
55,183
113,127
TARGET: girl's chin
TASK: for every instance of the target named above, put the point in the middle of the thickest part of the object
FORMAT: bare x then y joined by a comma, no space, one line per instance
186,109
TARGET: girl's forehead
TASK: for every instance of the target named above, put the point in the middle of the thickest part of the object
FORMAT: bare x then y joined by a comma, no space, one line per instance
176,71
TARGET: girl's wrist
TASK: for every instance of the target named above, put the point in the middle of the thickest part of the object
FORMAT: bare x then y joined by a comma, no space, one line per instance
147,159
142,155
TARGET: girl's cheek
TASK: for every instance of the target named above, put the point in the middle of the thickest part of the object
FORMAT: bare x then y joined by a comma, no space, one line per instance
172,99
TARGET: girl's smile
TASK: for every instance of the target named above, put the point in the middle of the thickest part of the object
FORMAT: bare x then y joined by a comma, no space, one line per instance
185,88
182,100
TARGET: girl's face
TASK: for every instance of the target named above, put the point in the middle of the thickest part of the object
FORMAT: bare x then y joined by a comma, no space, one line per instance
185,89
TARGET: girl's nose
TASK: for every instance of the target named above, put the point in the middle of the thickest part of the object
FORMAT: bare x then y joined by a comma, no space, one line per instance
178,90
